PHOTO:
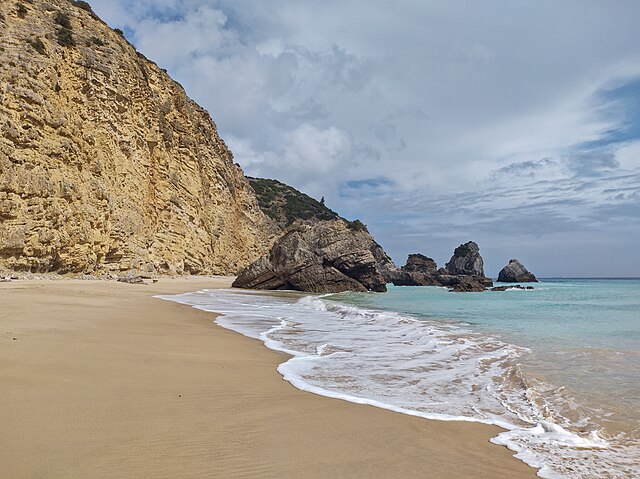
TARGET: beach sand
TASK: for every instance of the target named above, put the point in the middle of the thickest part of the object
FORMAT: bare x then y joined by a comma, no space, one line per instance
102,380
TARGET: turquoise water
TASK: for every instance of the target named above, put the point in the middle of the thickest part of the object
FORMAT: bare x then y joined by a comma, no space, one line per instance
558,314
582,340
557,367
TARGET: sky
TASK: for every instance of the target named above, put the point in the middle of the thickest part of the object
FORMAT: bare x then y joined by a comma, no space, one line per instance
513,123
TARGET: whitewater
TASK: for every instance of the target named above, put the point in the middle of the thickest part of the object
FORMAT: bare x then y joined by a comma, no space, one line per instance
425,352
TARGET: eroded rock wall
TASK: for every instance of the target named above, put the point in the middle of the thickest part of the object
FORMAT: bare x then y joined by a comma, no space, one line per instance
105,163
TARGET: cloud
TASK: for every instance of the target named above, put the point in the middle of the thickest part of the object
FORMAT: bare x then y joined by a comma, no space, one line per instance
465,109
524,168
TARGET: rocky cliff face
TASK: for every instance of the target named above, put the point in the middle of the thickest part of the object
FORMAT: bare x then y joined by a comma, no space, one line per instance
105,163
328,257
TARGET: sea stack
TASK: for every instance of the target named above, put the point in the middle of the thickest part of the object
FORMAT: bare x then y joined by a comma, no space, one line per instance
515,272
419,270
466,260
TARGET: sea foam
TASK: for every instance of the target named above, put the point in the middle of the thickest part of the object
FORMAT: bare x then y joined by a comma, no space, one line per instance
430,369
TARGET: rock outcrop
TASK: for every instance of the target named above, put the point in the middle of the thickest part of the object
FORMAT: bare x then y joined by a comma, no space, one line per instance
506,288
463,273
105,164
515,272
466,260
464,282
328,257
419,270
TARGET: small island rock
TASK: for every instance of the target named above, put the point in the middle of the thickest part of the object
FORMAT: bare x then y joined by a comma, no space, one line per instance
515,272
466,260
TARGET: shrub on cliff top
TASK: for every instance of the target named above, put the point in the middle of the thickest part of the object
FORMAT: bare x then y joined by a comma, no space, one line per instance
357,225
82,5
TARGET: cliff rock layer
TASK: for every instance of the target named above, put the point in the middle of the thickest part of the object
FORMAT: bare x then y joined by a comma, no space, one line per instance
105,163
328,257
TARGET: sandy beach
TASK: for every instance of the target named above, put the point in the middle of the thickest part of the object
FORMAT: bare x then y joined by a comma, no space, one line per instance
100,379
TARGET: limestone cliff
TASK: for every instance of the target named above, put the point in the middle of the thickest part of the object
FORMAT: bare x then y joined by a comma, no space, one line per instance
105,163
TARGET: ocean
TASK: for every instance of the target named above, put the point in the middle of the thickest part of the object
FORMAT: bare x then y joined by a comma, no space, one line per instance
558,367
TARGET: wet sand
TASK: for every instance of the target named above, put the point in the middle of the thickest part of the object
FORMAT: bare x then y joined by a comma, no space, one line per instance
103,380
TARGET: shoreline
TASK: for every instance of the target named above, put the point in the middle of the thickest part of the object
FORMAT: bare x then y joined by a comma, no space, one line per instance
103,380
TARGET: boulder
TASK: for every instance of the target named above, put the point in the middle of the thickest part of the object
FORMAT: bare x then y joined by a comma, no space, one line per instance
515,272
466,260
131,278
328,257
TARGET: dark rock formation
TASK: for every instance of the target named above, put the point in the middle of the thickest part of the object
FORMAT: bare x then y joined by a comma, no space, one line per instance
419,270
421,263
516,286
464,283
466,260
328,257
385,264
468,284
515,272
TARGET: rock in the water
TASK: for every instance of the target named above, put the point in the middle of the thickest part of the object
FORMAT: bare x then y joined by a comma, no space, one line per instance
419,270
466,260
421,263
515,272
505,288
468,284
328,257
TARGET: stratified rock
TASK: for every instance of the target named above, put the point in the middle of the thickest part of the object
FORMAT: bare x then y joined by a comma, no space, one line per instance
328,257
419,270
421,263
385,264
105,164
466,260
515,272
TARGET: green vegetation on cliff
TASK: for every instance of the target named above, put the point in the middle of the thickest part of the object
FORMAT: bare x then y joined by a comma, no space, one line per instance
286,205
